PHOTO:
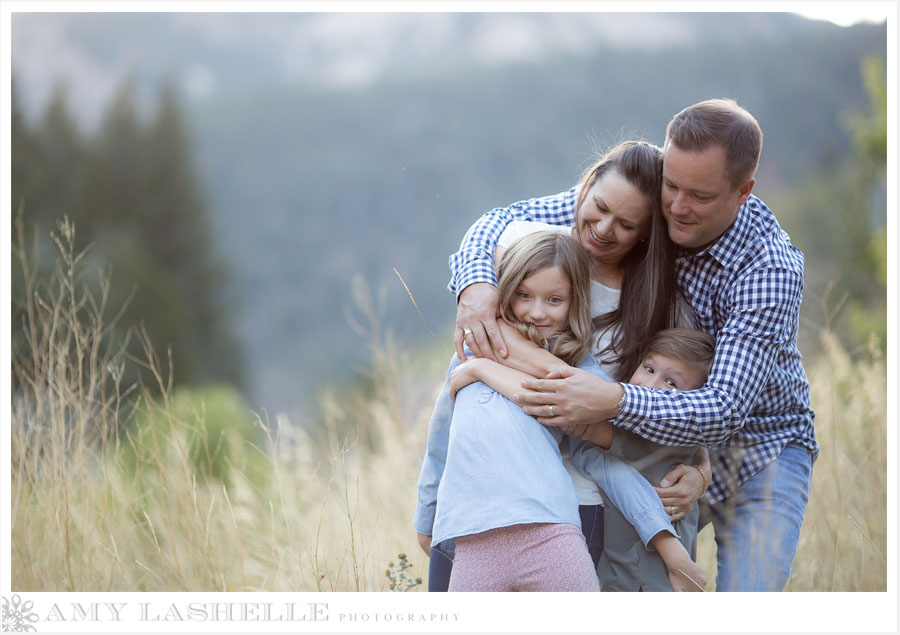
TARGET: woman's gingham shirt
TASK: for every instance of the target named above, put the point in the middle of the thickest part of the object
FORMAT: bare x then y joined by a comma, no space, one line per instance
745,289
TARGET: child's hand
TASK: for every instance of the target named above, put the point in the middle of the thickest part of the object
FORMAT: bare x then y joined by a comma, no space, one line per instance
424,543
574,429
462,376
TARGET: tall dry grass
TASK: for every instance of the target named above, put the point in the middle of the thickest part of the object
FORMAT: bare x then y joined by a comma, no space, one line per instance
110,492
843,540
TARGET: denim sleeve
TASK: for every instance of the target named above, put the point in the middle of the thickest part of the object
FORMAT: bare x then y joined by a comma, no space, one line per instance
624,487
474,262
435,457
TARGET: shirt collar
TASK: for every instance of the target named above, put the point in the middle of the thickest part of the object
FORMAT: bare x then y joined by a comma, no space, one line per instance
727,247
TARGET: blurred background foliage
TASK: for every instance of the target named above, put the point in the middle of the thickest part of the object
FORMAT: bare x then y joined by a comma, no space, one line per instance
235,219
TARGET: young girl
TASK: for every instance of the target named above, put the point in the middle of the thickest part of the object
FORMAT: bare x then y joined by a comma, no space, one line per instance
493,478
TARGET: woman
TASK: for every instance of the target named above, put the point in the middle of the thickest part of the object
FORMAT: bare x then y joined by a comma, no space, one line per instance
616,217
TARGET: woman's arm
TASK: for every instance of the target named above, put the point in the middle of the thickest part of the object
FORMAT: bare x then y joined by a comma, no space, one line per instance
435,459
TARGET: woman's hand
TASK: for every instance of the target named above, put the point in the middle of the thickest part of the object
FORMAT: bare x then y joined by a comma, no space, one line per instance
476,322
569,396
424,543
680,489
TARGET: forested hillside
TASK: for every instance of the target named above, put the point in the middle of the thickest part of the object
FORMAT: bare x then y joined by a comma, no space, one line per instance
304,182
314,187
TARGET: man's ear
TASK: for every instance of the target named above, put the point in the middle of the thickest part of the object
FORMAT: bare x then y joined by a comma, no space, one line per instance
744,190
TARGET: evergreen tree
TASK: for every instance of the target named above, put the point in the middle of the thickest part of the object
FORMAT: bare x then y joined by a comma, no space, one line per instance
133,195
176,231
839,220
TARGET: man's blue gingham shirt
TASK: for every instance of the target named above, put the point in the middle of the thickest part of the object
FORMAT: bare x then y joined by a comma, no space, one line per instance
745,290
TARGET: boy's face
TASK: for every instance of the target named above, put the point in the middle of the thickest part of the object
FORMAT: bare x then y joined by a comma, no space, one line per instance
658,371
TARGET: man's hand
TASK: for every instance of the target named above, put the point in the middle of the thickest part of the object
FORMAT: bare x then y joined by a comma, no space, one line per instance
477,311
569,396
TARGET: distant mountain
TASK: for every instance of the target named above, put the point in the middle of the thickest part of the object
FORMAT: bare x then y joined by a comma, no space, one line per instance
213,54
336,144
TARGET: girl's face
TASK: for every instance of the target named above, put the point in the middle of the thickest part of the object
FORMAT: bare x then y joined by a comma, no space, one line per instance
544,299
613,218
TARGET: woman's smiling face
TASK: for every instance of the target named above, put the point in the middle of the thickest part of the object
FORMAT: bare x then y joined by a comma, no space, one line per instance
613,218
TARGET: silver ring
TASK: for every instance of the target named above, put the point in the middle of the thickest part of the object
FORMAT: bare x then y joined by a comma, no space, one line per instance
551,412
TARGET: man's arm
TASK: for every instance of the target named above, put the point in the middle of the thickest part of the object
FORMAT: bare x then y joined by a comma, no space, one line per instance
763,310
473,277
763,319
474,262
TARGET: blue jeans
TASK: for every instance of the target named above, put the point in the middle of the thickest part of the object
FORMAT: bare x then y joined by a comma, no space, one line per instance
440,565
757,527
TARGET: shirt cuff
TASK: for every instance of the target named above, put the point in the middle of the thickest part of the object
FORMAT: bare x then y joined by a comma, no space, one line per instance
635,409
423,521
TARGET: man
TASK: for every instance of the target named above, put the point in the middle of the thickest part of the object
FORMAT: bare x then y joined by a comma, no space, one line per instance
744,281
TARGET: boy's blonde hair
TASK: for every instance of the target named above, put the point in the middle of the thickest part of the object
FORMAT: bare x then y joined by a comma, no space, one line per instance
533,253
687,345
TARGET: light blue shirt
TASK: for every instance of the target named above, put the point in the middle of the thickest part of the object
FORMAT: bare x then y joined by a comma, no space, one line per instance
490,465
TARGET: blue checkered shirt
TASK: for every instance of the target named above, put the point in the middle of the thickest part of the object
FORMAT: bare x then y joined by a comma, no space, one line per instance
745,290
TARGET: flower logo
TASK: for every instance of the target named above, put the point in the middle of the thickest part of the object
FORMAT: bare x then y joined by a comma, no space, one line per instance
17,615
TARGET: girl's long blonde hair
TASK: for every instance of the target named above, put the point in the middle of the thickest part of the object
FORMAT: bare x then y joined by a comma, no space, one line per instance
533,253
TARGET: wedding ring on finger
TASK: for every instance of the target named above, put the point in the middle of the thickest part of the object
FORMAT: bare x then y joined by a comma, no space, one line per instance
550,414
466,333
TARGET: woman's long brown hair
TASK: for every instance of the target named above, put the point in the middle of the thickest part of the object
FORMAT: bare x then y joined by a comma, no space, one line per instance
647,300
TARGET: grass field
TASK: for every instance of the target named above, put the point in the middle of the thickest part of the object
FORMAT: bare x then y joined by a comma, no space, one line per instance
159,488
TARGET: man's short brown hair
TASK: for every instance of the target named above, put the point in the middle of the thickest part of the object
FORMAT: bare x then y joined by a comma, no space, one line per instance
720,122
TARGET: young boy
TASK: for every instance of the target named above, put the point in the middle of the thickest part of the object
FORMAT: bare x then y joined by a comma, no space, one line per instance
674,359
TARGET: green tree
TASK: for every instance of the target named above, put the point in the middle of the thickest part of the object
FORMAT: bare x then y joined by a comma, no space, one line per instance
176,231
139,209
840,223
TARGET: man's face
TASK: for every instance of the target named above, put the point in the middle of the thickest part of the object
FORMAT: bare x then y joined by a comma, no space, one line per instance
699,203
